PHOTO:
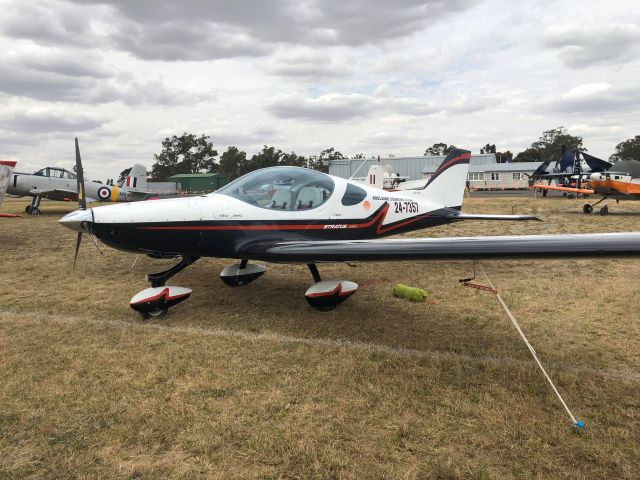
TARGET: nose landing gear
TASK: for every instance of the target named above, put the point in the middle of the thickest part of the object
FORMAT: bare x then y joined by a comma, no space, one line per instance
156,301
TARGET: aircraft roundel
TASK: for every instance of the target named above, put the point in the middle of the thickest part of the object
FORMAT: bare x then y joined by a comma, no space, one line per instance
104,193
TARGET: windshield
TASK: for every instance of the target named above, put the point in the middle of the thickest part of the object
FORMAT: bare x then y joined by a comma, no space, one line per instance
281,188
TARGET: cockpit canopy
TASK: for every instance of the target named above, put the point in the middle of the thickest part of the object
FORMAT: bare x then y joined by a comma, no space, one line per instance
282,188
55,173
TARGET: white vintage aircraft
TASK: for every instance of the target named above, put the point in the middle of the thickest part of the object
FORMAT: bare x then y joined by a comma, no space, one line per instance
59,184
296,215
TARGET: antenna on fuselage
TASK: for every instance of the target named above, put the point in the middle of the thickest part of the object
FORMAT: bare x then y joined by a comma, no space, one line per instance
363,162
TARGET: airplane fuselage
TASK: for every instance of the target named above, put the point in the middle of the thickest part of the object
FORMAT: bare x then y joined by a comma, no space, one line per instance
63,187
617,185
221,225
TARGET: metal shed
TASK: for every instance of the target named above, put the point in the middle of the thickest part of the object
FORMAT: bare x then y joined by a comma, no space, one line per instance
199,182
411,167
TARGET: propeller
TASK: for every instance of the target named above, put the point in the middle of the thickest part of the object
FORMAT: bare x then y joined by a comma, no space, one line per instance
82,201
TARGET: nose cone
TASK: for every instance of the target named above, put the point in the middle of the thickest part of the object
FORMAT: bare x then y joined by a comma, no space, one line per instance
78,220
594,177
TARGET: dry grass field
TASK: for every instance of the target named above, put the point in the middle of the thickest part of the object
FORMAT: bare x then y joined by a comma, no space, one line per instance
253,383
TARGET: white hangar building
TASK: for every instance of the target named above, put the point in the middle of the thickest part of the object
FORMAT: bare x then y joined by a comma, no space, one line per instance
485,173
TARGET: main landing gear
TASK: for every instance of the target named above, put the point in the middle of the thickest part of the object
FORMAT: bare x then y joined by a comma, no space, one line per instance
325,295
34,208
241,273
156,301
604,211
322,295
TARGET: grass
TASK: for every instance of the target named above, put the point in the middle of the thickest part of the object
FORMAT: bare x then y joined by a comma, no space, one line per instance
252,383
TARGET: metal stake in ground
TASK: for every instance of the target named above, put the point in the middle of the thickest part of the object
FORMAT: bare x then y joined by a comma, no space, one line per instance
576,423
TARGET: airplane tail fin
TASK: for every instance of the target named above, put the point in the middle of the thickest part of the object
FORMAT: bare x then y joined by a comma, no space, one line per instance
6,169
447,184
375,177
137,178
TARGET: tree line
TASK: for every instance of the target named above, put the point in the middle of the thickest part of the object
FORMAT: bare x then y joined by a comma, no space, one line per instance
189,153
548,146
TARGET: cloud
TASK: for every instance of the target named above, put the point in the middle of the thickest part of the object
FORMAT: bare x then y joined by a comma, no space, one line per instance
213,29
308,64
338,107
50,75
593,44
38,120
595,98
331,107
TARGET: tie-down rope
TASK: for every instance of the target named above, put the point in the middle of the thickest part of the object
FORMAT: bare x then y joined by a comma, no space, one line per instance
576,423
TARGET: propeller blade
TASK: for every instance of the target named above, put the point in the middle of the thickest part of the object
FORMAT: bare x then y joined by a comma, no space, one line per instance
77,249
82,201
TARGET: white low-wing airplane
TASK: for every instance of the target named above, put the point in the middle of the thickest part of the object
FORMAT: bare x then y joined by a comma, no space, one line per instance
296,215
56,183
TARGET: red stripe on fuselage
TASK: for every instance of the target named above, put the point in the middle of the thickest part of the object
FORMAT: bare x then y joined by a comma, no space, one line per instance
310,226
378,218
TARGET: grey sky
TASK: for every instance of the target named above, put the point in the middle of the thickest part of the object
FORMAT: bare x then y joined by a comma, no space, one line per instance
369,77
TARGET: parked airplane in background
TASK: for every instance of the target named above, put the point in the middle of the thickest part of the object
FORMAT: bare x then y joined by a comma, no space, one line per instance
6,167
620,182
59,184
296,215
384,178
570,171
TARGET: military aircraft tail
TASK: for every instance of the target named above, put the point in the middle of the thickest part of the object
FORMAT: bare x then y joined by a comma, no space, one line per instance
6,168
375,177
136,179
447,184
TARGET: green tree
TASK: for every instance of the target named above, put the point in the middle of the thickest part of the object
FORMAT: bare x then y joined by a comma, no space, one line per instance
268,157
627,150
123,176
233,162
439,149
528,155
321,162
551,142
184,154
504,157
549,145
488,148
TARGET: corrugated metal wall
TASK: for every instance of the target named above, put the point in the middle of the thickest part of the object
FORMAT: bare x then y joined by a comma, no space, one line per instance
411,167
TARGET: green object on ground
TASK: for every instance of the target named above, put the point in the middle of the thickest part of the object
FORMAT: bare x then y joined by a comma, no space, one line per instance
410,293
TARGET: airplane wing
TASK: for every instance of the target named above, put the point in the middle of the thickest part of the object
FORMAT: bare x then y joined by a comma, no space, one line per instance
56,194
448,248
584,191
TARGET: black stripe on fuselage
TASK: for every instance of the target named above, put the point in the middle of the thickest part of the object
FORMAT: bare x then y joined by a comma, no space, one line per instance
228,238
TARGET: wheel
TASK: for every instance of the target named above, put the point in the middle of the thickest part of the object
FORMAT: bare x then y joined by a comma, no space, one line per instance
604,211
34,211
587,208
155,314
27,209
544,193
